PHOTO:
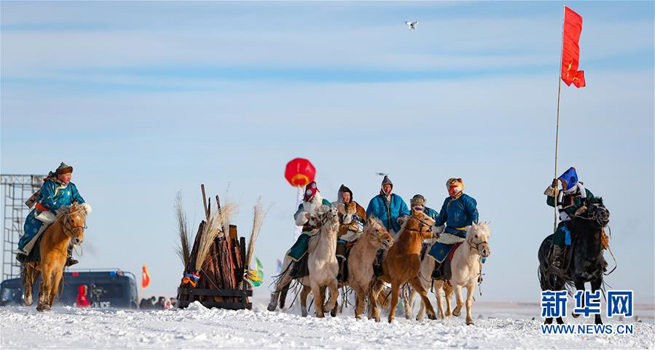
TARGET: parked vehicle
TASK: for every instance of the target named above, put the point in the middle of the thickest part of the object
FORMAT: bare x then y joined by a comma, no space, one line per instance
105,289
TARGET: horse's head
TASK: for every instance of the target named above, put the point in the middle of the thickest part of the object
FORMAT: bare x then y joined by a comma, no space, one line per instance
597,211
421,222
74,221
375,232
477,236
324,215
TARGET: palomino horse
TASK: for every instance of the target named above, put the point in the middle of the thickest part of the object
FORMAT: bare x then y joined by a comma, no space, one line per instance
362,256
466,268
322,263
403,263
68,228
587,262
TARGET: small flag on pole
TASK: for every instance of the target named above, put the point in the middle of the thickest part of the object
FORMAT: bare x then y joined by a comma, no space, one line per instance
571,49
255,277
145,277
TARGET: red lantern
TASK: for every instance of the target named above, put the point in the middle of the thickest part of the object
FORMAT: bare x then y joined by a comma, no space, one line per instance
300,172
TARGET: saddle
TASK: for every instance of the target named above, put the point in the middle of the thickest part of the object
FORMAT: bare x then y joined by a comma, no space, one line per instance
444,271
35,253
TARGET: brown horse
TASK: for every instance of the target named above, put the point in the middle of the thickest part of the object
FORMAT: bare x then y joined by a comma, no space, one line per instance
68,228
360,262
403,263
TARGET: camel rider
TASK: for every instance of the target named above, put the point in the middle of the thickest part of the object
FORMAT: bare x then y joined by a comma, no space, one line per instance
417,203
459,210
389,207
312,201
348,233
570,201
57,191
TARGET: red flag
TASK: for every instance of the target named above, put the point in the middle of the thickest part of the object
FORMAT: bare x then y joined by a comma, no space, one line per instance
145,278
571,50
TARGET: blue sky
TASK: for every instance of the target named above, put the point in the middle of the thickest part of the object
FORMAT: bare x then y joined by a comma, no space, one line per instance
148,99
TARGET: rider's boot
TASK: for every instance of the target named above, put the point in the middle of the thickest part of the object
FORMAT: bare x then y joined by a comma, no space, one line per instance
558,256
70,261
342,264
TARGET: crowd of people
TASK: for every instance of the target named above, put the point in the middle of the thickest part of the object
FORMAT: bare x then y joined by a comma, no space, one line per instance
154,303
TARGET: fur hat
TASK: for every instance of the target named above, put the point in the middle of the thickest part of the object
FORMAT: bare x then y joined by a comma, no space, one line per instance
569,178
310,191
417,201
64,169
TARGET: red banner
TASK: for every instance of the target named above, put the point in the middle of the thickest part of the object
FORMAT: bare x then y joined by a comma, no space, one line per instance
571,49
145,277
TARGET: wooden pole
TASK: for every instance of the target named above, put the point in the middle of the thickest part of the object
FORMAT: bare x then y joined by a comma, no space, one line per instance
559,90
204,201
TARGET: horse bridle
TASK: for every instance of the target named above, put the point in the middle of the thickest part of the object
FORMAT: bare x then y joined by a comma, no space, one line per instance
421,222
69,228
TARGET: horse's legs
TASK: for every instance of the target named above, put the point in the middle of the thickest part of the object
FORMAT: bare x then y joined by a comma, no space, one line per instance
373,300
283,283
318,298
595,285
469,303
44,289
460,302
438,285
54,288
416,283
406,297
394,301
359,301
31,275
283,295
448,289
303,300
334,296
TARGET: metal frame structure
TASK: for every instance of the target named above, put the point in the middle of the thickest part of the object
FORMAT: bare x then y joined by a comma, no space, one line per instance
17,189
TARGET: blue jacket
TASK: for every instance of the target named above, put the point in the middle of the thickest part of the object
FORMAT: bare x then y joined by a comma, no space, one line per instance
387,212
457,214
53,196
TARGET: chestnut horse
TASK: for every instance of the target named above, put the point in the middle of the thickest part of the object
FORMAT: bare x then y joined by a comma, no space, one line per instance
402,264
68,228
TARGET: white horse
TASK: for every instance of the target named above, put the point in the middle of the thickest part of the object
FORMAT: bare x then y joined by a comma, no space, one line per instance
466,269
322,263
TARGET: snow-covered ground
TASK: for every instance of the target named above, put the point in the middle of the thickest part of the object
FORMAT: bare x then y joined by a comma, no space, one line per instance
198,327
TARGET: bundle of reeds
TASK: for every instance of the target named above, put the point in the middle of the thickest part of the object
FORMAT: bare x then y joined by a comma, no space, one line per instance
218,257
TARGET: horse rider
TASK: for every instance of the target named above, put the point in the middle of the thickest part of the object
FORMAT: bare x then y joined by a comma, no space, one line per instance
417,203
348,233
57,191
570,201
391,209
312,201
458,211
